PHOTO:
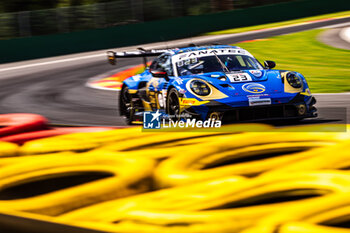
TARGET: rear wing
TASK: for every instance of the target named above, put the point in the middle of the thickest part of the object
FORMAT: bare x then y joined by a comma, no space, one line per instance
112,56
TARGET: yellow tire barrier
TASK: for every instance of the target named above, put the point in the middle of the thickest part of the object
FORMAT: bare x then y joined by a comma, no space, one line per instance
330,212
55,184
244,202
80,141
6,161
302,227
131,139
333,157
182,197
8,149
246,154
168,144
248,177
174,221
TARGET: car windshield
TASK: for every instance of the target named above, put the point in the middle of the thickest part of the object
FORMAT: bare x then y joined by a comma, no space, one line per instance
209,64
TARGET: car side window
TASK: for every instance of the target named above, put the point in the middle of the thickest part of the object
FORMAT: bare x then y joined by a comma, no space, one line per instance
252,63
153,65
164,63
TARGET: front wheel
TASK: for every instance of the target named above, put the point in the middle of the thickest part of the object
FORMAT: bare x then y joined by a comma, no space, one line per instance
173,104
126,105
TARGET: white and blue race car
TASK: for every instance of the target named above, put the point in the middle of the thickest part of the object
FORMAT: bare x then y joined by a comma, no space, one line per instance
217,82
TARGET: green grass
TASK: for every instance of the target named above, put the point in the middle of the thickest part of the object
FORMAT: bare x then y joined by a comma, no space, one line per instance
326,69
279,24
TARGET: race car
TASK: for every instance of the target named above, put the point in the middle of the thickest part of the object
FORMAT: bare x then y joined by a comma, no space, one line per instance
219,82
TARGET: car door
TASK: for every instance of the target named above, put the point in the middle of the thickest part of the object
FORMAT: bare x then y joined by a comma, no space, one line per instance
157,86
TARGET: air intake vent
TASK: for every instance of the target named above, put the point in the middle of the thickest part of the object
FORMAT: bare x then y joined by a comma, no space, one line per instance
225,85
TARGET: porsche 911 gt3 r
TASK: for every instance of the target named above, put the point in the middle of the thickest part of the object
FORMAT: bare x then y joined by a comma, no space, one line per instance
213,82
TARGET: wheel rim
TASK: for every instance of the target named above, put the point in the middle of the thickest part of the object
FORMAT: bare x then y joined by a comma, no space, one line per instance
174,108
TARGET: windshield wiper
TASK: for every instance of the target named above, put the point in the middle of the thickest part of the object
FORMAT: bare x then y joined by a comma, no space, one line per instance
224,67
196,65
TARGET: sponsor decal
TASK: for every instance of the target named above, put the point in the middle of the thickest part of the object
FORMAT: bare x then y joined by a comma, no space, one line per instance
258,95
258,101
179,81
182,91
136,77
253,88
256,73
191,102
188,102
208,52
154,82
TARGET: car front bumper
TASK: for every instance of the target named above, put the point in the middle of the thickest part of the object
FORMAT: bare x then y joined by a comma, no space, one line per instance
294,109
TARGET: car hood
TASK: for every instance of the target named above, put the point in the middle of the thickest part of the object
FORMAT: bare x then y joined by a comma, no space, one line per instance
260,82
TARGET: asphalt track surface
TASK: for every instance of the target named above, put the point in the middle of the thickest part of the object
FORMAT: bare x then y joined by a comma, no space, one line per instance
58,92
332,38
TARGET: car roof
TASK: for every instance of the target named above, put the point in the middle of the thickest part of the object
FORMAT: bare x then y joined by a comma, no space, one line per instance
189,49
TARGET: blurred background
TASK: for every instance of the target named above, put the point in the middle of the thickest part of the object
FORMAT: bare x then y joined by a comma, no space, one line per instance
21,18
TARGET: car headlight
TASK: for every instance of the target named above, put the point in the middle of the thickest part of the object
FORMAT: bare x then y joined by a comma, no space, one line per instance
200,88
294,80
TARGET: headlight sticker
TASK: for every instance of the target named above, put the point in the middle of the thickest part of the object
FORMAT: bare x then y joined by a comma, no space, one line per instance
292,82
200,88
213,94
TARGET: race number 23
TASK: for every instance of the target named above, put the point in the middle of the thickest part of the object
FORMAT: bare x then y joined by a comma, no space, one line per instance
239,78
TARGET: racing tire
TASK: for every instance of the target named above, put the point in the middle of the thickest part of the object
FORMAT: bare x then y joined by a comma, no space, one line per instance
126,105
173,104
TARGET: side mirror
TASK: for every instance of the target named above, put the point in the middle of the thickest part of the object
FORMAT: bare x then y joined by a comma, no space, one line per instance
159,74
111,58
269,64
